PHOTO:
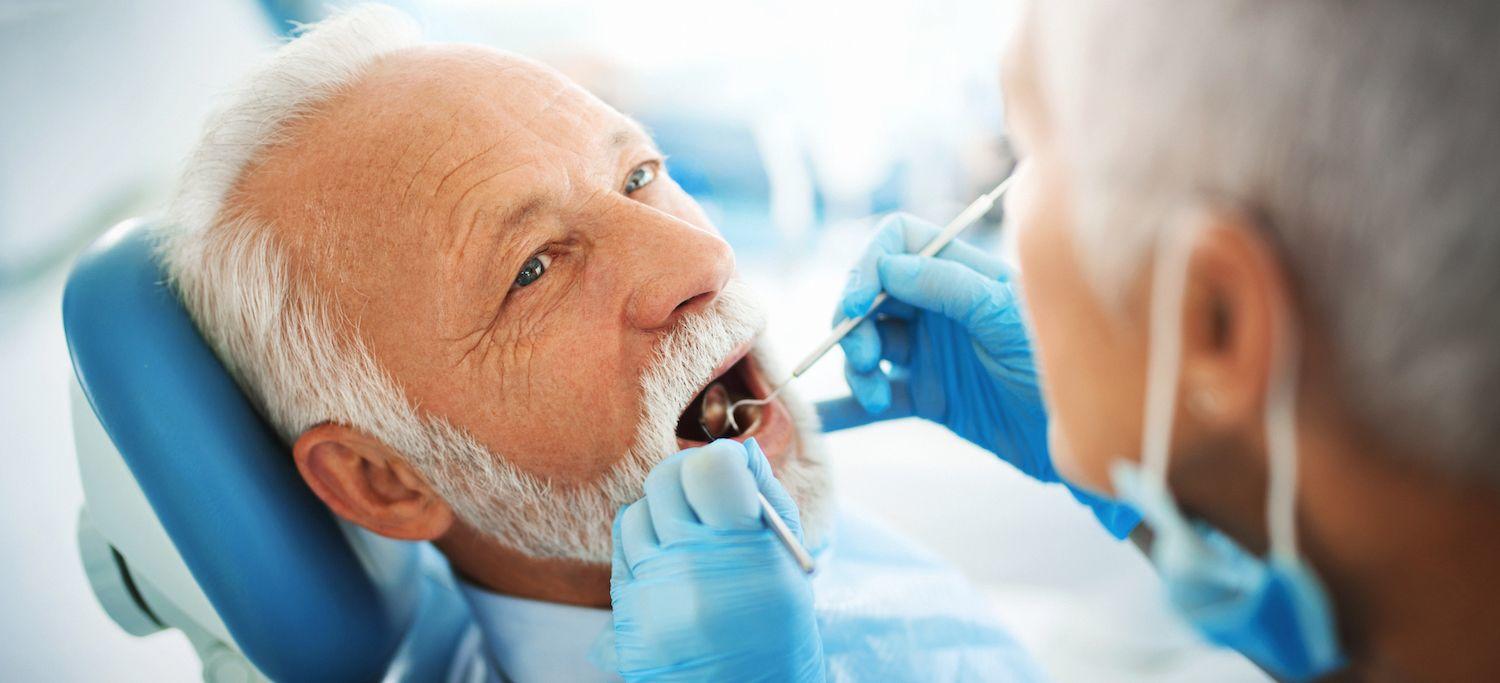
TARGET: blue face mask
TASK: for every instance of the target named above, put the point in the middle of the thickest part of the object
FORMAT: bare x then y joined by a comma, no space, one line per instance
1273,610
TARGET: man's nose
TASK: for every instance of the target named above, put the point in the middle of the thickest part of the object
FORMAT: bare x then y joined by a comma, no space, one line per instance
680,267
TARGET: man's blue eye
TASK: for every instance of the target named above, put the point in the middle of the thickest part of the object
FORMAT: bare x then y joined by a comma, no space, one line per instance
640,177
533,270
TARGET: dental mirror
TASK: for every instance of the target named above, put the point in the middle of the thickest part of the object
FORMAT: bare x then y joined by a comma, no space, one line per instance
717,414
713,412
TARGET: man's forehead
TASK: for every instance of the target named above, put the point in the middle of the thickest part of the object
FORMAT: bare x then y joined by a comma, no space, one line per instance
425,120
423,114
474,89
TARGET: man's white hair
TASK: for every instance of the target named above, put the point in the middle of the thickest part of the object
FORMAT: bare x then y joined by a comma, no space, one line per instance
1362,135
303,364
269,324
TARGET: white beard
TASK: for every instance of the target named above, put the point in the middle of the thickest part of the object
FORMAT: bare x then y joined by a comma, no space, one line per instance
539,519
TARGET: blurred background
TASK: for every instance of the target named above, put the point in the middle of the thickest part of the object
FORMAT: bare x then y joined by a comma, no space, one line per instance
792,122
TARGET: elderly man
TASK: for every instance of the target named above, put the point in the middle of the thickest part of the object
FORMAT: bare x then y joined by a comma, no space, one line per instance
472,300
1259,257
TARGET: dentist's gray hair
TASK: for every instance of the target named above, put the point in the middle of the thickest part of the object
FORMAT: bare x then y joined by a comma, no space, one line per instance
1364,135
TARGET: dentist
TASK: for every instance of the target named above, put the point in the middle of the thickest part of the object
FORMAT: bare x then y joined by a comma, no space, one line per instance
1259,261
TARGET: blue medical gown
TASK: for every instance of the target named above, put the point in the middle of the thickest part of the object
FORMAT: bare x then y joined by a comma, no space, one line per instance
890,611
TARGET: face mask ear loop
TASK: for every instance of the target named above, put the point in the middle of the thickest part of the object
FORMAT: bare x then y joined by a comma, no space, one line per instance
1164,356
1281,439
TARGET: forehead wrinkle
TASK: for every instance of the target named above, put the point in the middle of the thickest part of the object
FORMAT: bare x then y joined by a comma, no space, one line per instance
503,138
460,231
452,125
417,173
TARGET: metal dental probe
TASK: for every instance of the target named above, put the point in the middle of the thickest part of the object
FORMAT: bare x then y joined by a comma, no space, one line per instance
804,560
981,206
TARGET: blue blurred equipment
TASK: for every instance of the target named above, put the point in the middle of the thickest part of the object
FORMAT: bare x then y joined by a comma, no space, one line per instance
196,519
957,348
702,590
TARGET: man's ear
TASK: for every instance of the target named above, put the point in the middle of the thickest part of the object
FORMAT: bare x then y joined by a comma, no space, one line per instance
1237,291
366,482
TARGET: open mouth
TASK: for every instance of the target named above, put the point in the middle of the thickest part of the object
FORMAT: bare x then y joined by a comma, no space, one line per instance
707,416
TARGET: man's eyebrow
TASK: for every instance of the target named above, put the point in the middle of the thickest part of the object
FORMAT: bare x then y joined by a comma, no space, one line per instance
501,236
522,210
530,204
633,133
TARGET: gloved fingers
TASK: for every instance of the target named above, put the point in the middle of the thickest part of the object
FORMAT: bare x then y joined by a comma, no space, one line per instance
895,341
872,389
893,308
770,487
671,516
917,233
720,488
902,402
635,535
862,347
845,413
948,288
864,278
890,309
870,342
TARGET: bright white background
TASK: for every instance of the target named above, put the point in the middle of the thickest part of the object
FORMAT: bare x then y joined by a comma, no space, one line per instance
793,120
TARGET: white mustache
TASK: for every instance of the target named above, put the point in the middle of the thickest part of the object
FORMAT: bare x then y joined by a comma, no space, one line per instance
539,519
685,360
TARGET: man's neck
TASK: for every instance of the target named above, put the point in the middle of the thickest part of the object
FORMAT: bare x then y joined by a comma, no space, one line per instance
487,564
1412,561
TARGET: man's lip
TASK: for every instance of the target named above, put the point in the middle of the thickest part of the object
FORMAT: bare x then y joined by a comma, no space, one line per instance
736,356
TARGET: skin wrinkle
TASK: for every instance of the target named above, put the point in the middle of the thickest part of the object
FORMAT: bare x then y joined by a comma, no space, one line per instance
452,132
507,225
488,327
458,245
401,156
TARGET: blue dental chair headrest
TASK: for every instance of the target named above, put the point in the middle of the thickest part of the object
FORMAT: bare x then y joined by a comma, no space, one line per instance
279,571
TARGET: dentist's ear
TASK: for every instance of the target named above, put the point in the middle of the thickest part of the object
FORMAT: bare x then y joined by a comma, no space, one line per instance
1235,288
1235,292
366,482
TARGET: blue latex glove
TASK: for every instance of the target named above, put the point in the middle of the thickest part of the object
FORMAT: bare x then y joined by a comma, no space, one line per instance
702,589
957,348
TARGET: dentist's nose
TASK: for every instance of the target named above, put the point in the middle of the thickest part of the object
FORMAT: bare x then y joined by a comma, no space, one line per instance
681,268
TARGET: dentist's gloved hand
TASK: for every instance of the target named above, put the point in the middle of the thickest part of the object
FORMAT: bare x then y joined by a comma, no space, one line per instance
957,348
702,589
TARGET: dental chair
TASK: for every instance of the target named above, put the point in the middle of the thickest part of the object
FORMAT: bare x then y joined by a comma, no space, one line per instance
195,518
